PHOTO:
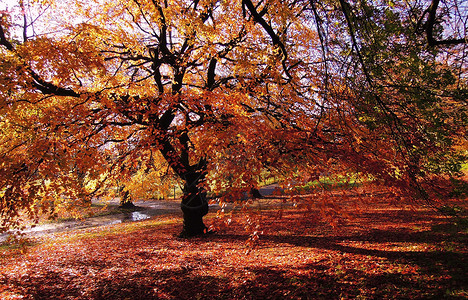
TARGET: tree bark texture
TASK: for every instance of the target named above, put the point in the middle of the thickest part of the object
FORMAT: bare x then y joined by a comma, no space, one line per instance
194,205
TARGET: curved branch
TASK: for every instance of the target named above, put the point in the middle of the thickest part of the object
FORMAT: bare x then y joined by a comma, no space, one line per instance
48,88
258,17
431,21
42,85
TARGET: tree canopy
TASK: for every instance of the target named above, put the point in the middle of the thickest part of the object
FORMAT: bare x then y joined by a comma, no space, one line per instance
216,92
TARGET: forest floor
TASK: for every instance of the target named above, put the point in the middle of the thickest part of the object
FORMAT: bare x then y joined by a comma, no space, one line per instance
374,250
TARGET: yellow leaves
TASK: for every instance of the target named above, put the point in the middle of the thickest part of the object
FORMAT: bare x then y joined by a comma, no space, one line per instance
63,62
151,182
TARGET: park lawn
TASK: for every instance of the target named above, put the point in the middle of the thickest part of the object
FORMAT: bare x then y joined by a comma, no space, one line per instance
379,251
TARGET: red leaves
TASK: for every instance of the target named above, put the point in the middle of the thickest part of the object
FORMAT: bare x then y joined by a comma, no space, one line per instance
382,252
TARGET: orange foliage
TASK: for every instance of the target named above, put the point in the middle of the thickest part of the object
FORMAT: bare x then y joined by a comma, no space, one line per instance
99,95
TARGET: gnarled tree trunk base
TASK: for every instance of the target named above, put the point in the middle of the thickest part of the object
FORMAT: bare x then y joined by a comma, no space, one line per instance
127,205
193,220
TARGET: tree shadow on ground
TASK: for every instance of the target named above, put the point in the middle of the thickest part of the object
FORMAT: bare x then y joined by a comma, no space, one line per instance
312,281
440,272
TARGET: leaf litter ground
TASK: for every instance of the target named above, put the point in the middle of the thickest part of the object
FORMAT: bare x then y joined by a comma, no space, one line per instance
379,252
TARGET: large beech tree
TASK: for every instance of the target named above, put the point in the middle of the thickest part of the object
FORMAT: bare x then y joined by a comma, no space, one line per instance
92,91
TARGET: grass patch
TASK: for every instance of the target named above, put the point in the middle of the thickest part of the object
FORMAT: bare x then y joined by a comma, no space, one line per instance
330,183
19,245
112,230
94,210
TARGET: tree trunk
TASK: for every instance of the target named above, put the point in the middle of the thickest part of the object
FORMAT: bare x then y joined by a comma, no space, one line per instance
194,205
255,193
125,199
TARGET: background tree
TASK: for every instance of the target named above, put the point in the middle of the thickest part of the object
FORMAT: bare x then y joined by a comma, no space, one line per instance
227,87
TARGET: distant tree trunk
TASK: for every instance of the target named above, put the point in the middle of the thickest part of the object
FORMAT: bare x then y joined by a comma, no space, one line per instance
82,195
194,205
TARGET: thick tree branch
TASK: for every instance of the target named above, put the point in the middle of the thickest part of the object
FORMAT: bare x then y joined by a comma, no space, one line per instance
3,40
210,81
431,21
258,17
42,85
49,88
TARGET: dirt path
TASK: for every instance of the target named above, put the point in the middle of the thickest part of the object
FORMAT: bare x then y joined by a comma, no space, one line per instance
145,210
